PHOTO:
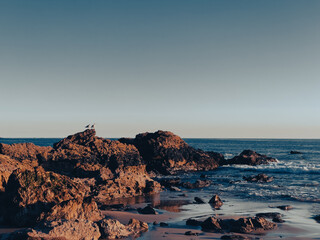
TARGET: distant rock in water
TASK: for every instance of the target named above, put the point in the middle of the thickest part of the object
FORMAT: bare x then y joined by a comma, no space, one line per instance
295,152
166,153
317,218
249,157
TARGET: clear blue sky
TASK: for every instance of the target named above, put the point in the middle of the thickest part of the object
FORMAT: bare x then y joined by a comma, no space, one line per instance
205,68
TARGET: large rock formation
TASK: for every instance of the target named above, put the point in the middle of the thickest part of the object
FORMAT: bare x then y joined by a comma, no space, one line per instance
249,157
29,193
166,153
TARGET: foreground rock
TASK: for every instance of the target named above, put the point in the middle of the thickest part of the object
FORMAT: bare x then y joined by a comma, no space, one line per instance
261,178
166,153
112,228
30,193
147,210
59,230
242,225
249,157
235,237
275,216
215,202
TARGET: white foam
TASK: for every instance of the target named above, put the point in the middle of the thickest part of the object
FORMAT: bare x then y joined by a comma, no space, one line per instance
283,167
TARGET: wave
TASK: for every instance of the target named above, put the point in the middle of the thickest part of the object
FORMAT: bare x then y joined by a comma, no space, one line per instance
282,167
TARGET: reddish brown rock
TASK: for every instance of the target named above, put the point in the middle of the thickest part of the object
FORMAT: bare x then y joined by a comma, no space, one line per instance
249,157
29,193
22,151
59,230
216,202
241,225
74,209
112,228
166,153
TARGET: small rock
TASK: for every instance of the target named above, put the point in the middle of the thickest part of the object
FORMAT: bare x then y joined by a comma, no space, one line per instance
295,152
277,219
258,178
285,207
174,189
190,233
269,215
147,210
193,222
163,224
235,237
198,200
215,201
317,218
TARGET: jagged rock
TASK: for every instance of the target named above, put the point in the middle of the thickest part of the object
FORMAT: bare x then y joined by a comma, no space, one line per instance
112,228
242,225
29,193
59,230
74,209
215,201
261,178
22,151
249,157
193,222
166,153
7,166
147,210
198,200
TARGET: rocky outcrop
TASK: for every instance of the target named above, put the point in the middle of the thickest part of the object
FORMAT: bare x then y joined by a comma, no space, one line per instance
249,157
261,178
166,153
59,230
242,225
112,228
21,151
29,193
7,166
74,209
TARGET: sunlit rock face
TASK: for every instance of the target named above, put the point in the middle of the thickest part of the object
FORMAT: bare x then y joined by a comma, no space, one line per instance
166,153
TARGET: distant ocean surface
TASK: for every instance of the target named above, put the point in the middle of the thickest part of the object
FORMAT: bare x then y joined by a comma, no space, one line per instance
296,176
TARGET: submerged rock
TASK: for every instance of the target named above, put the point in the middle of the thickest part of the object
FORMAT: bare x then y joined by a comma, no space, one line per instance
285,207
196,184
216,202
249,157
295,152
261,178
317,218
166,153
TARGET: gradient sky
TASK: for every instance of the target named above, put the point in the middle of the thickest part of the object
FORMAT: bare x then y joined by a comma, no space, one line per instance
201,68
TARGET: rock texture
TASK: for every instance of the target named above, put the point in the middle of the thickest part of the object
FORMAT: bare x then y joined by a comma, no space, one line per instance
59,230
242,225
249,157
112,228
261,178
166,153
215,202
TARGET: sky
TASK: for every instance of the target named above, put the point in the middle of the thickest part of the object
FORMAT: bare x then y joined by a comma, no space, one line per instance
208,68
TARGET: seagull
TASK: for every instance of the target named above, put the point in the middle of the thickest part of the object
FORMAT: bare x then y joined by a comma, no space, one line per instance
87,126
92,126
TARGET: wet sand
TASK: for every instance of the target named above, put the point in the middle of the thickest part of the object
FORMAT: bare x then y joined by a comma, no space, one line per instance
175,209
